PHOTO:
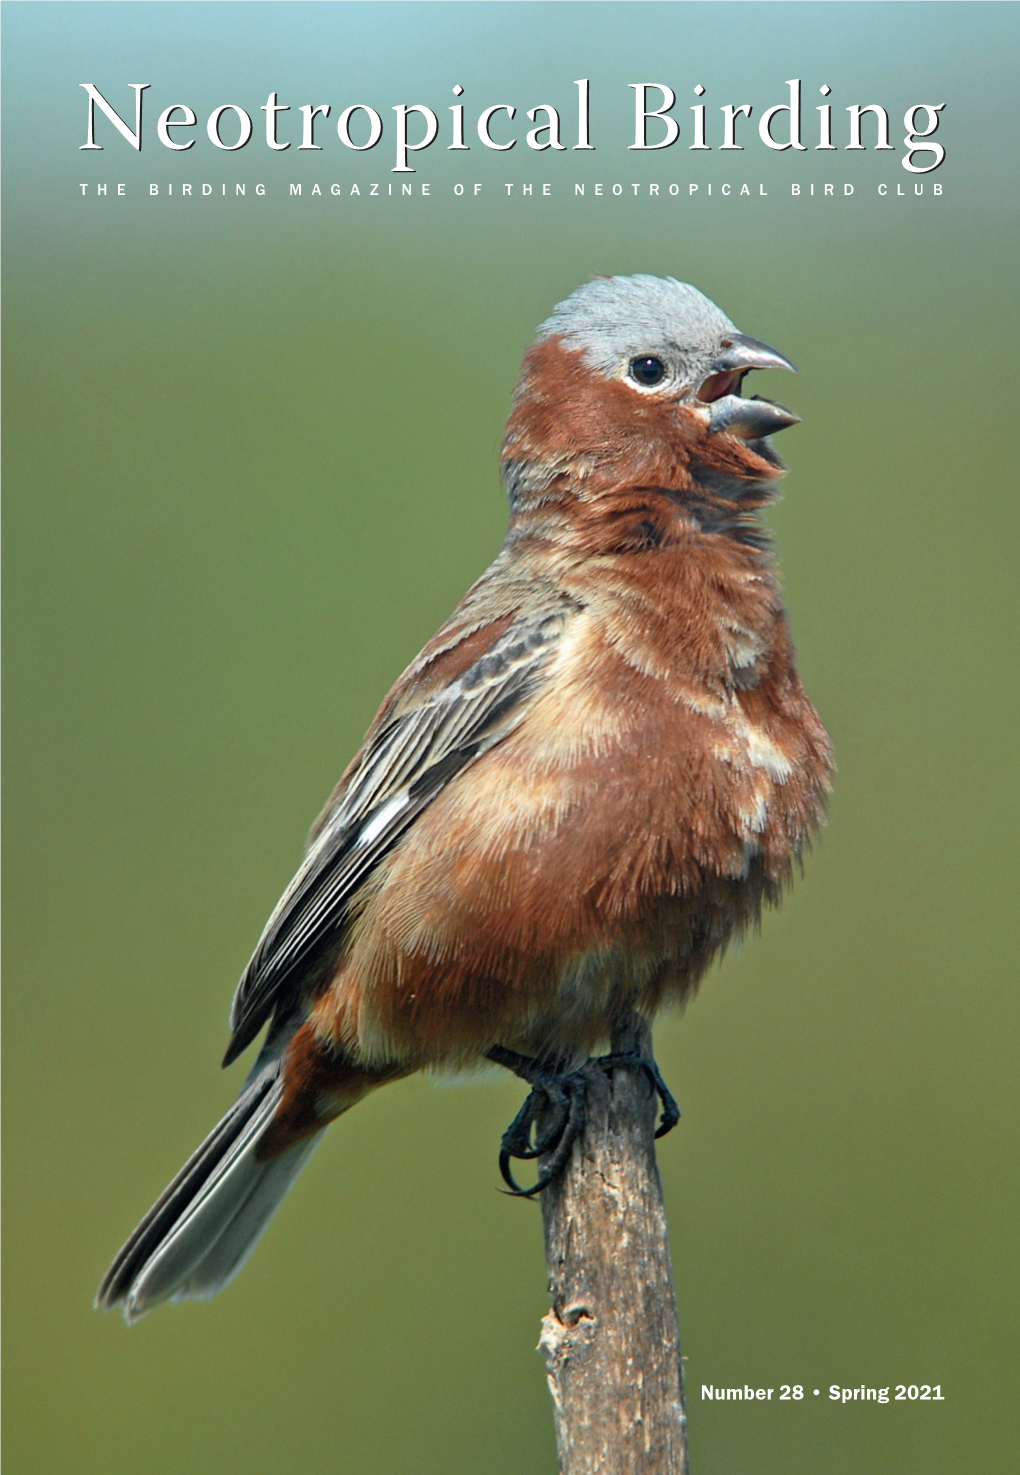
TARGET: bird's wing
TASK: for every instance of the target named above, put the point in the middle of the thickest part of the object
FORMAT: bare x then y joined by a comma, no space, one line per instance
421,740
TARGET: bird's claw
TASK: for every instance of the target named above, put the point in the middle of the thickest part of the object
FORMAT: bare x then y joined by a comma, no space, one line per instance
565,1096
554,1092
561,1095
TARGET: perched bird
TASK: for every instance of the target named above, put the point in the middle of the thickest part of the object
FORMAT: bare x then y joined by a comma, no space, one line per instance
591,778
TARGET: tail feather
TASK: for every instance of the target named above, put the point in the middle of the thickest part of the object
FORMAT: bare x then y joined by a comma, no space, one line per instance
201,1230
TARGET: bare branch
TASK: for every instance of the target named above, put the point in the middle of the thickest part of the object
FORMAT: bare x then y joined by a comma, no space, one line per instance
611,1340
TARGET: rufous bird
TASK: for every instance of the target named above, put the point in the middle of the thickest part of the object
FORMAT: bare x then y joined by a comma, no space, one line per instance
592,778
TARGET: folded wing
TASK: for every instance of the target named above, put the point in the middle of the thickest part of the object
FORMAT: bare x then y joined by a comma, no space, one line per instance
409,758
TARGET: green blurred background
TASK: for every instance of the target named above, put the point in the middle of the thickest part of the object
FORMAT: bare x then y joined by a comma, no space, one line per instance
251,463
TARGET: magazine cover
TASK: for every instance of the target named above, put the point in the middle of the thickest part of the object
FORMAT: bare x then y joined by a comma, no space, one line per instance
270,273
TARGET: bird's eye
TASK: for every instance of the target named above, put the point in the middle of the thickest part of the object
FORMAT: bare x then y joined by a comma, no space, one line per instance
647,370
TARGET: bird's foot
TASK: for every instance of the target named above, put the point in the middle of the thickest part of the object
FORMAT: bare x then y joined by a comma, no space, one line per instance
560,1094
555,1091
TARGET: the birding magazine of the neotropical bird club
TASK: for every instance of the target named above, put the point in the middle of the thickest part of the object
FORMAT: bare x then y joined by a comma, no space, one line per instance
745,761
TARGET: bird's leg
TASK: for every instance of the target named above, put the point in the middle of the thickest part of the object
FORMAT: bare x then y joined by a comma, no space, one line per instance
670,1111
558,1091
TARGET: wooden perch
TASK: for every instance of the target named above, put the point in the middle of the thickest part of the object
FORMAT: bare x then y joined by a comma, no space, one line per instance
611,1340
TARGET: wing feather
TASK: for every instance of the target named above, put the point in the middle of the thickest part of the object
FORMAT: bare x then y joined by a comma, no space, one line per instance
406,762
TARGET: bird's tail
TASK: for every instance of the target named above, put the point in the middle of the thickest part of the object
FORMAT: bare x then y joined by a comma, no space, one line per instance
202,1229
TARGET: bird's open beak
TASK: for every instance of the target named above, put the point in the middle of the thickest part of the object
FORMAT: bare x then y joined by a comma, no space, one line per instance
748,418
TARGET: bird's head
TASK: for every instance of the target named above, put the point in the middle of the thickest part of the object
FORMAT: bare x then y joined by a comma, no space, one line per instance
631,373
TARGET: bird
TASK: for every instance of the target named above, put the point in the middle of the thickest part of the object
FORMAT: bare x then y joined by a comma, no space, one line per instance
591,779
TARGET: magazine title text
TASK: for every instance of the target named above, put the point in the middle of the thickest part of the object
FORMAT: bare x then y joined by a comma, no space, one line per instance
788,125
